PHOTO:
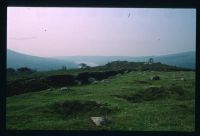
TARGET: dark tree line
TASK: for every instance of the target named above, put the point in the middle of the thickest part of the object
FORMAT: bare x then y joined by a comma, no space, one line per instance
20,70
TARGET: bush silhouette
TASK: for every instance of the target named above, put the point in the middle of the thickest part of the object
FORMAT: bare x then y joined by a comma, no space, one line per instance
11,71
25,70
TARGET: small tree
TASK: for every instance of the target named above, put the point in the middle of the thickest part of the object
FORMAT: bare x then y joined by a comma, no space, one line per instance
25,70
11,71
83,65
151,60
64,68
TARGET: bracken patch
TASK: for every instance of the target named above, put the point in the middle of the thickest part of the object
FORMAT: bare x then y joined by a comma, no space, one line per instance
154,93
75,107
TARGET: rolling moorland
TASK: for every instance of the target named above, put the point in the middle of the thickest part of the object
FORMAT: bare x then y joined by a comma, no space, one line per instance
35,62
53,63
130,96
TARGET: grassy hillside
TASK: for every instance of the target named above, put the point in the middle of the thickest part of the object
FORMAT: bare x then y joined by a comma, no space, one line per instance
17,60
129,102
177,59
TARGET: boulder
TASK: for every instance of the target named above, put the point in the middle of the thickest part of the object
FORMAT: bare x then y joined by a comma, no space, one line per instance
92,80
105,81
95,82
83,77
125,72
182,79
64,88
49,89
78,82
98,121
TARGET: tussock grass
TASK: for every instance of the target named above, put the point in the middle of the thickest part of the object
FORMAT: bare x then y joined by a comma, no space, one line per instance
154,93
78,107
162,105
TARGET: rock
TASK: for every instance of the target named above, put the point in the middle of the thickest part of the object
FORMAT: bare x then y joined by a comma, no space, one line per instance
102,81
179,79
125,72
155,78
182,79
105,81
92,80
95,82
48,89
78,82
64,88
98,121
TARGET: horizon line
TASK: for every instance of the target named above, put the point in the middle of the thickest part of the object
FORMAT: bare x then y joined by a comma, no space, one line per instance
102,55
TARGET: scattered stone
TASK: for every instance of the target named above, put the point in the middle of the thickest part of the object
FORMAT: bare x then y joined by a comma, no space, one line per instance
126,71
48,89
95,82
105,81
179,79
182,79
64,88
98,121
102,81
144,73
155,78
92,80
78,82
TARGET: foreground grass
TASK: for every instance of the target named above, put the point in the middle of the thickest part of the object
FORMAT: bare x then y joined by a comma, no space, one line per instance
171,112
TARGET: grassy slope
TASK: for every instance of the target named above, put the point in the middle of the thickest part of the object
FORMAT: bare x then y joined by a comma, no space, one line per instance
173,113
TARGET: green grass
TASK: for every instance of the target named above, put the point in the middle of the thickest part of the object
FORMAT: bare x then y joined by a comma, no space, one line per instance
160,109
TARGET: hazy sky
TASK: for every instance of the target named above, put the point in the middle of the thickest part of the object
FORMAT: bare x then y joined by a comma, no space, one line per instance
100,31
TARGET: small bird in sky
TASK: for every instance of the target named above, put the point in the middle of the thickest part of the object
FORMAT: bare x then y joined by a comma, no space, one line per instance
44,29
129,15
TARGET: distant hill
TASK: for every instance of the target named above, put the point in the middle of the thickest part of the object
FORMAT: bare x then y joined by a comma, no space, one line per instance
16,60
184,59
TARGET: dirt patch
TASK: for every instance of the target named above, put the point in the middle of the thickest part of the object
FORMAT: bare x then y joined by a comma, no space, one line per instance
76,107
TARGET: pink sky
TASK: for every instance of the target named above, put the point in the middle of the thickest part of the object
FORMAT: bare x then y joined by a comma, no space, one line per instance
100,31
